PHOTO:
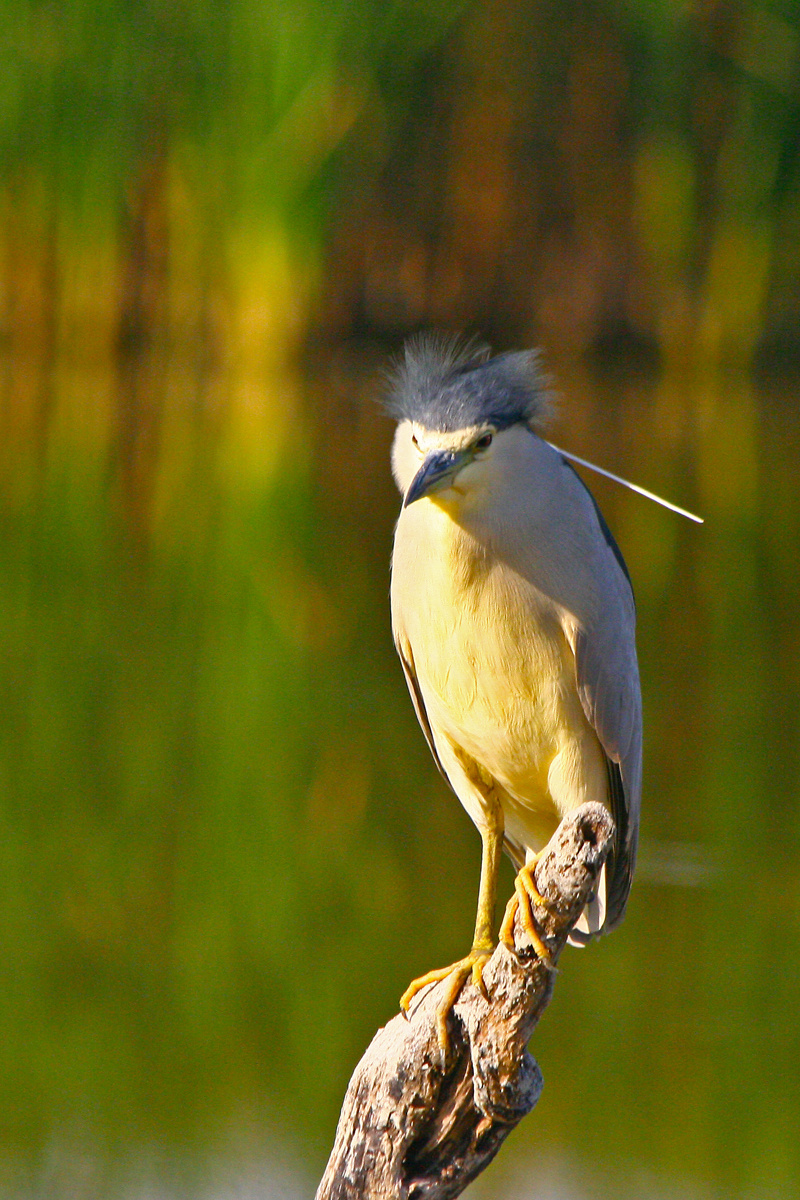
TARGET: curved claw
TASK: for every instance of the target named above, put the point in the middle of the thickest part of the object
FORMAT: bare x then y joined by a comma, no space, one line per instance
457,973
528,879
525,892
417,985
477,974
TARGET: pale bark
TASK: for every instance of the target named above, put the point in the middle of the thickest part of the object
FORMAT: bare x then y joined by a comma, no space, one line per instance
413,1127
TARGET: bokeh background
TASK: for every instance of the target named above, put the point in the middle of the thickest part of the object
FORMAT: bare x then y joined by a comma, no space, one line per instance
224,849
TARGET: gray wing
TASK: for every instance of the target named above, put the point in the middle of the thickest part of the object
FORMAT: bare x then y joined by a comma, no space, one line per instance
608,685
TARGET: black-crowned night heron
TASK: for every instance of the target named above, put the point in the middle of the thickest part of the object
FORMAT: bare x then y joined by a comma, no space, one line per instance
514,618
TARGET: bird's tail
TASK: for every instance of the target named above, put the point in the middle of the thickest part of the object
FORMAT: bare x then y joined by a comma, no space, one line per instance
591,921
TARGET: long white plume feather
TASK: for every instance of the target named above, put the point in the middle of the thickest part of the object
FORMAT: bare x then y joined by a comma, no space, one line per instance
683,512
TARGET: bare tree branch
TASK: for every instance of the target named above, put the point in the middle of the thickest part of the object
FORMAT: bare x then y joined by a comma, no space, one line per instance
413,1127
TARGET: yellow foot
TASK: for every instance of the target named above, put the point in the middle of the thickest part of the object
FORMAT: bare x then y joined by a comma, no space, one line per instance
526,894
457,973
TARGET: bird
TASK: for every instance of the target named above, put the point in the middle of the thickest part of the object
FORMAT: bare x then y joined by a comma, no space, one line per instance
514,618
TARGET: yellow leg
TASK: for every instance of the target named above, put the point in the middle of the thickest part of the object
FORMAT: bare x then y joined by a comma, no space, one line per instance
525,895
484,941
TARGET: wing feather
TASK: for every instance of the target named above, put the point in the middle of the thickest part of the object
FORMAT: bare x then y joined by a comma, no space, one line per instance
608,685
407,659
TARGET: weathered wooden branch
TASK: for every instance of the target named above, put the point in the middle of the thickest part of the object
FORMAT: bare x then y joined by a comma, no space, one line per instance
413,1127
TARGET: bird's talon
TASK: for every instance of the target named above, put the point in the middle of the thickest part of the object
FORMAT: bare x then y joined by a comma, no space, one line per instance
417,985
520,902
477,975
506,934
528,879
443,1038
458,973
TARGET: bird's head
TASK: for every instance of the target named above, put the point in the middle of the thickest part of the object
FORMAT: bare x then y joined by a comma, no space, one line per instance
460,415
430,462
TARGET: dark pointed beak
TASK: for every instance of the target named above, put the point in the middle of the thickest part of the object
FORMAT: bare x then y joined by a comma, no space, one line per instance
435,474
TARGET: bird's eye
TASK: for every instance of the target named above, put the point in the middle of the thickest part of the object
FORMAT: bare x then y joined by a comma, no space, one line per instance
484,441
414,441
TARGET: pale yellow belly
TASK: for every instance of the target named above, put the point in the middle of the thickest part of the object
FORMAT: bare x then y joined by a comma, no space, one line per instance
498,679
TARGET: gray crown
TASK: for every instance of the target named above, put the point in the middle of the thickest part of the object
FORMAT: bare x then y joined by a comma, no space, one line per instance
445,383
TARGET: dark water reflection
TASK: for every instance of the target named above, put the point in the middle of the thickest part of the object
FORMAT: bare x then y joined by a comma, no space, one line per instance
225,850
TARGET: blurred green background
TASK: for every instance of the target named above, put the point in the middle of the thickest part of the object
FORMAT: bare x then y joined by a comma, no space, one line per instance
224,849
